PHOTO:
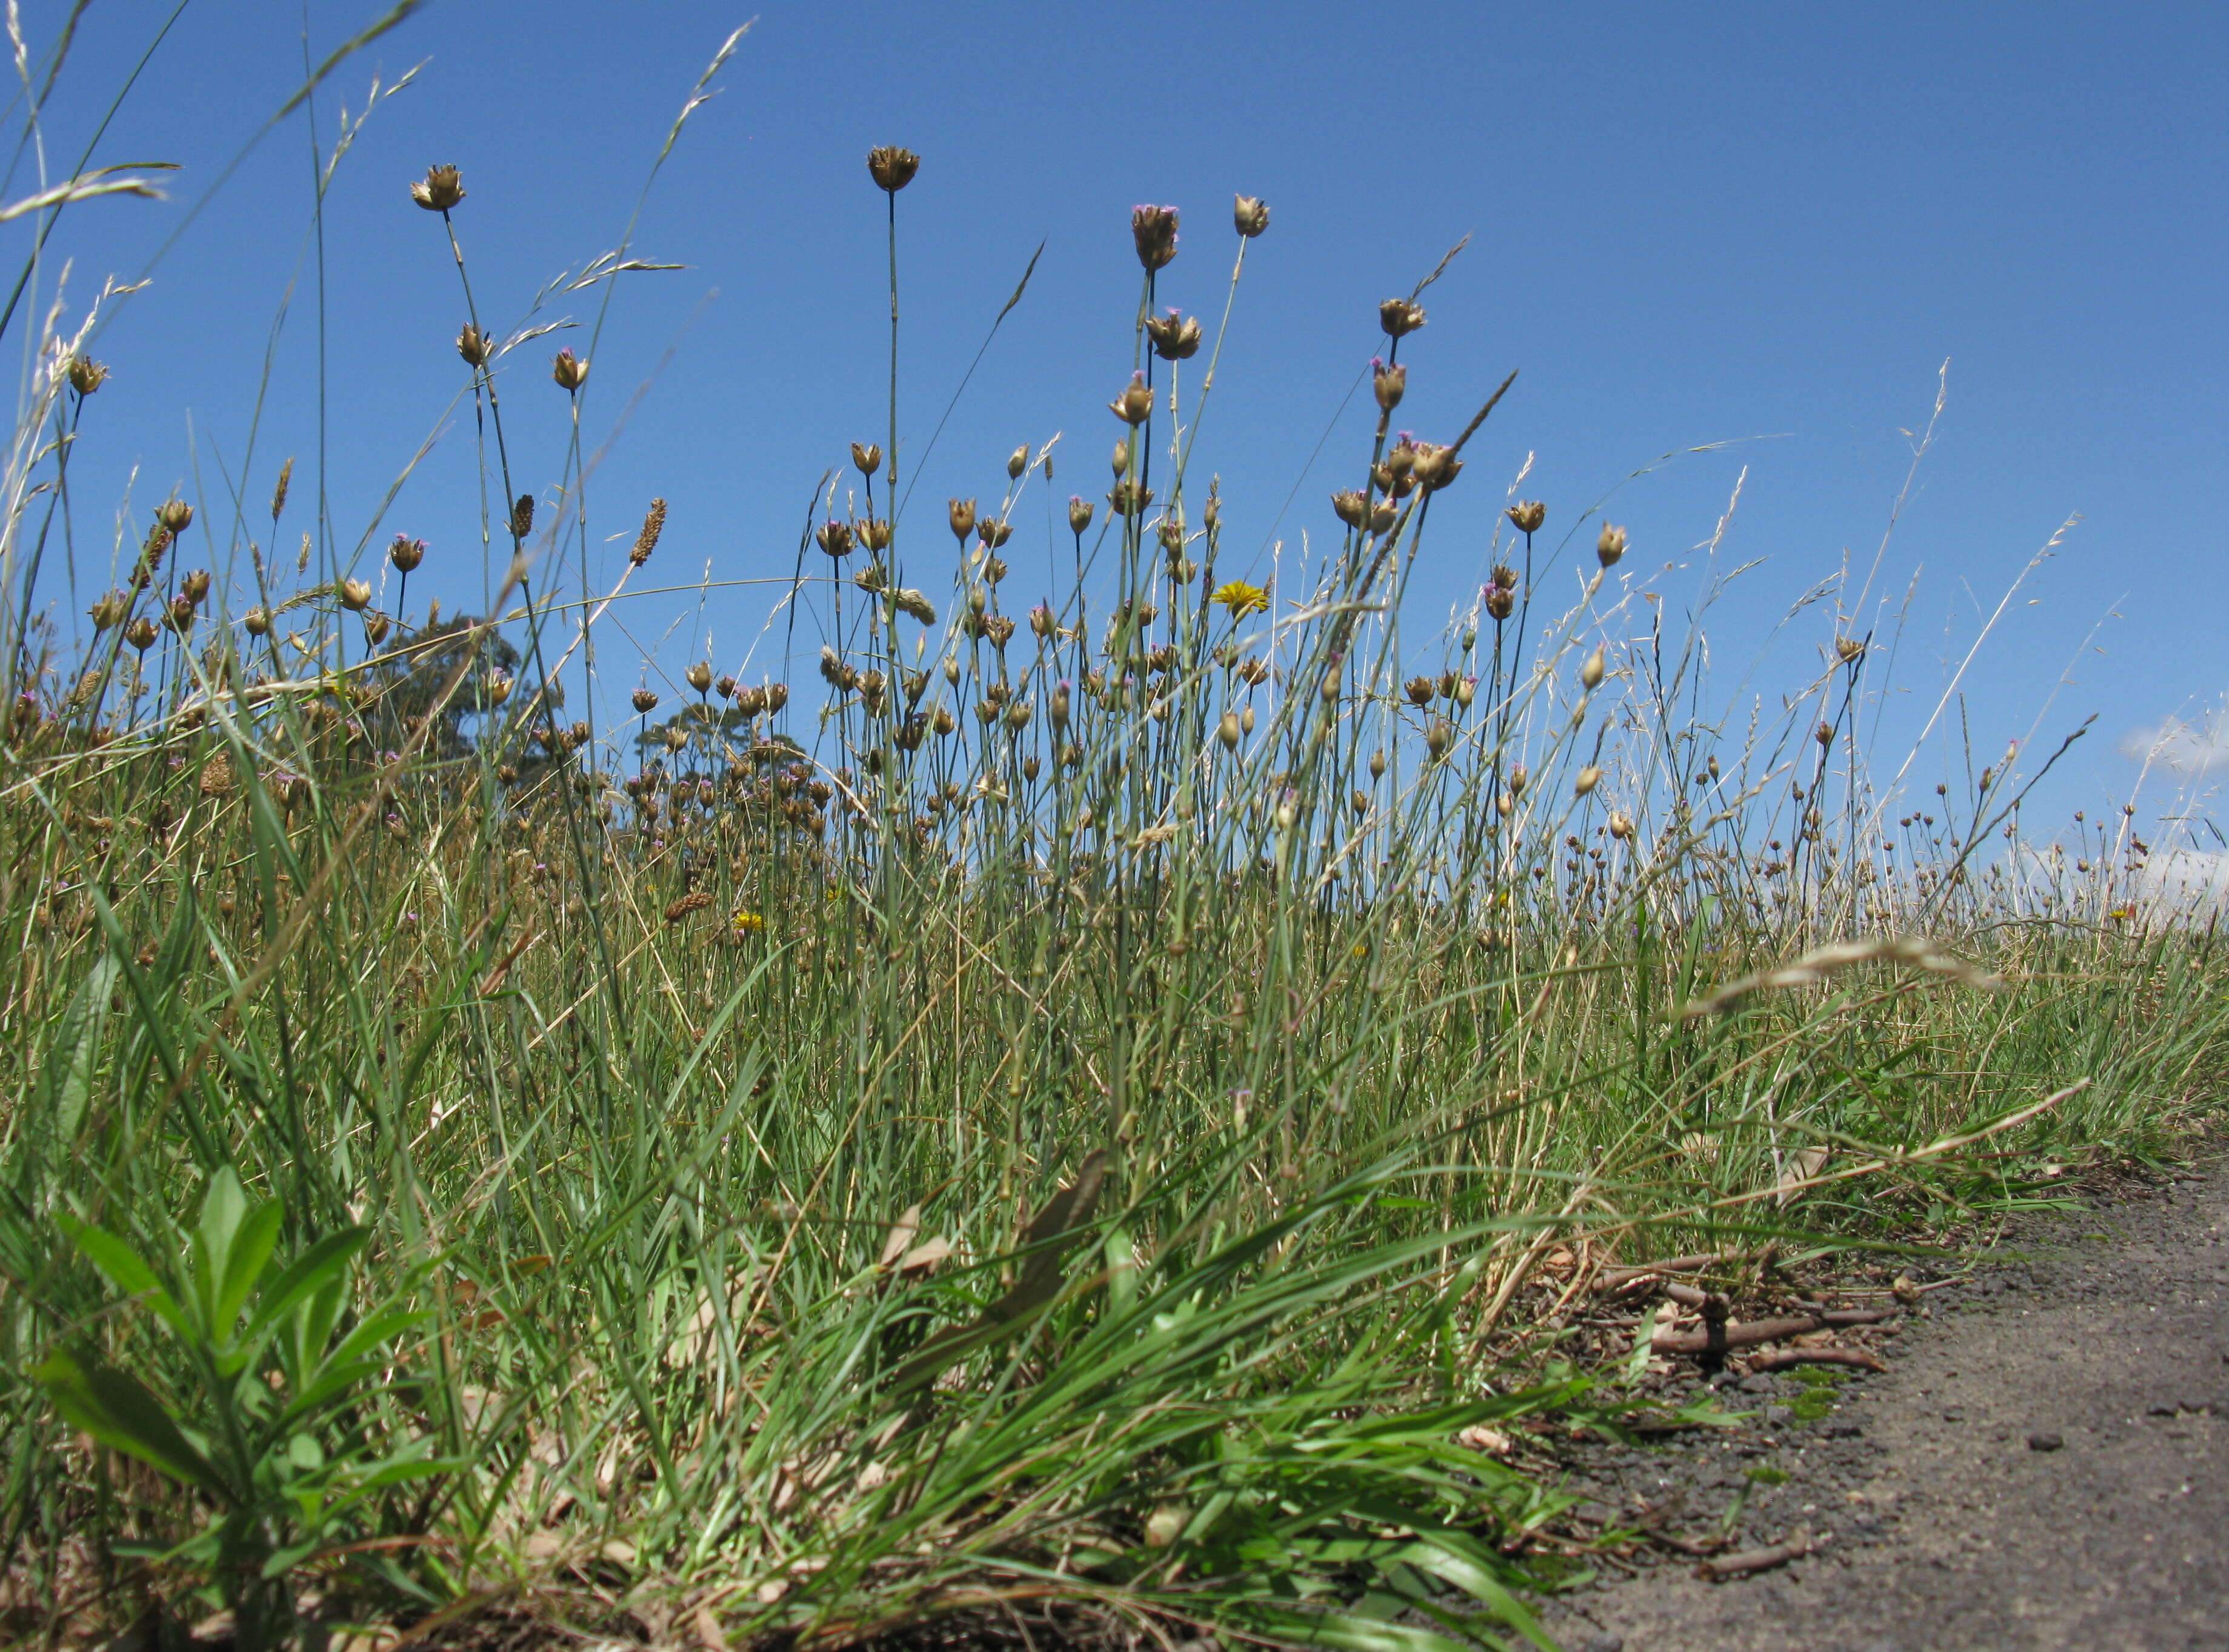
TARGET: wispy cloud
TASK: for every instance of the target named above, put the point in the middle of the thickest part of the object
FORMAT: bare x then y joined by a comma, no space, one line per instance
2188,747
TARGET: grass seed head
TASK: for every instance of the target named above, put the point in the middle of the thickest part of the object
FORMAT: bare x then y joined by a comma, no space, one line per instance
522,517
653,524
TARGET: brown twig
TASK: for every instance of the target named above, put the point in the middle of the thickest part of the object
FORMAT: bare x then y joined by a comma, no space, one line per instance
1789,1358
1740,1565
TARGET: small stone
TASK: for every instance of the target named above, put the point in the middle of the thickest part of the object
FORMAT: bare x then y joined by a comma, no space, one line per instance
1953,1415
1778,1416
2044,1440
1603,1641
2162,1409
1762,1384
1842,1431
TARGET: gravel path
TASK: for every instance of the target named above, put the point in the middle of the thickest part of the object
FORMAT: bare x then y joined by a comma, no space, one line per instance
2045,1466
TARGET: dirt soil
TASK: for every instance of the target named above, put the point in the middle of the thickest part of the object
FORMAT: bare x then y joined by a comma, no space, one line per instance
2044,1465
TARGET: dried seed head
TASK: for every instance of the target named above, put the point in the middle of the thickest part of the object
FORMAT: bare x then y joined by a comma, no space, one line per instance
1251,214
1079,514
1588,778
1439,735
1848,649
913,602
1129,499
86,375
1017,462
355,595
961,515
1399,316
570,372
475,346
834,537
1175,336
1134,406
1155,230
992,532
176,515
1246,718
1227,731
522,517
867,460
406,553
279,493
1420,691
374,628
874,533
645,700
1611,545
1017,714
653,524
891,168
1519,778
777,696
1528,515
141,633
1389,383
1590,674
1824,733
1621,825
1350,507
180,613
1383,516
194,585
944,722
699,676
441,190
110,610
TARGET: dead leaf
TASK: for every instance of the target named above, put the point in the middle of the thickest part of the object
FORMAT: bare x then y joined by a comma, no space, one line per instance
900,1236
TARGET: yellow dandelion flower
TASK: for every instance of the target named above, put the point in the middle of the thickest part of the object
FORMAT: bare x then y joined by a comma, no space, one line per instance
747,923
1241,598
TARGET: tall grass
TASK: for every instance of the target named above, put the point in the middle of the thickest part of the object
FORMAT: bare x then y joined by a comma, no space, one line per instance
1054,1117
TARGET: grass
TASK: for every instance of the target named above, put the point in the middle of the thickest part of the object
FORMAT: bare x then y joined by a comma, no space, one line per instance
1058,1122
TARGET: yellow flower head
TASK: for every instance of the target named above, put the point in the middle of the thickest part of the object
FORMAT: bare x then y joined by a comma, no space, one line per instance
1241,598
747,923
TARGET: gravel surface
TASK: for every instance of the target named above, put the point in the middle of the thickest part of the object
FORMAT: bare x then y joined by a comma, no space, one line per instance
2045,1465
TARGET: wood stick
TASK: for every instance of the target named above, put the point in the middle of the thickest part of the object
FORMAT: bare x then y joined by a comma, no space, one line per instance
1740,1565
1789,1358
1735,1336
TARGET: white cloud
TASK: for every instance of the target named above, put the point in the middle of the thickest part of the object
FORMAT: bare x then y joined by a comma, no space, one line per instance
2186,746
2187,881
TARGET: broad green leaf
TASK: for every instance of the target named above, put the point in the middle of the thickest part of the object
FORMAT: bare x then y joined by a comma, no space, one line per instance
323,1262
66,1080
124,1267
119,1412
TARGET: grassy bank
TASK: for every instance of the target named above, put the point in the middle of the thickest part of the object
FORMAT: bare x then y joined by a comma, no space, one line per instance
1054,1112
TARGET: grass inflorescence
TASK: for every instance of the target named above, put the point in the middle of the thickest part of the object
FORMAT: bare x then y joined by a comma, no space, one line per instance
1057,1117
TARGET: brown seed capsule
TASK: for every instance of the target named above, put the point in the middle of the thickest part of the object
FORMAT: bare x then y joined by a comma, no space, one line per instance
1399,316
522,517
1527,515
475,346
1439,735
86,375
176,515
867,460
1500,603
141,633
180,613
194,585
1824,733
992,532
1420,691
1129,499
1590,674
1175,336
834,537
777,694
892,168
645,541
1227,730
1155,230
1588,778
1383,515
1389,383
570,372
1134,406
874,533
961,515
1251,214
1848,649
1017,462
1350,507
1079,514
442,188
1610,546
109,610
355,595
406,553
374,628
699,676
645,700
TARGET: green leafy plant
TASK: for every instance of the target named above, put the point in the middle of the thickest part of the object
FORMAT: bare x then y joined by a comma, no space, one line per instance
265,1424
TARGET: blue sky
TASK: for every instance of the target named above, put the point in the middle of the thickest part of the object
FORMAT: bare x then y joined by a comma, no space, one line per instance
1764,226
